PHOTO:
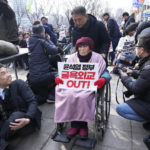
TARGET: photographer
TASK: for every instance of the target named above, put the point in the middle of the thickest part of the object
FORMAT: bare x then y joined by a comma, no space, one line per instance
138,108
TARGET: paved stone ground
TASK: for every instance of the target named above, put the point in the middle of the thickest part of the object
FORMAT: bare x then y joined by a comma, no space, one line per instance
121,134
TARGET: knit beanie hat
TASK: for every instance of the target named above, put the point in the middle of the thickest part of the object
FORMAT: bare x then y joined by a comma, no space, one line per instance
85,41
37,29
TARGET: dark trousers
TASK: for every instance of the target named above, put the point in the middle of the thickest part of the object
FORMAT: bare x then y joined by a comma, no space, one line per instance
45,89
6,133
80,124
114,45
112,56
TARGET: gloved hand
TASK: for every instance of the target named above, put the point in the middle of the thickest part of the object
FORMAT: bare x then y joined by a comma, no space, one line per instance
58,80
100,82
60,51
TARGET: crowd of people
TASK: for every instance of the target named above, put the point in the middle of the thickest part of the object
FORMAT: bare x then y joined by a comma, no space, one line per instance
92,40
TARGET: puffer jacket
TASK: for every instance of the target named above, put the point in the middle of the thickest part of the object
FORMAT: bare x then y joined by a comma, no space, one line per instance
39,63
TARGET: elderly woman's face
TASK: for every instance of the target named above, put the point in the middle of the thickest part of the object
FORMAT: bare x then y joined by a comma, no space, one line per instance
84,50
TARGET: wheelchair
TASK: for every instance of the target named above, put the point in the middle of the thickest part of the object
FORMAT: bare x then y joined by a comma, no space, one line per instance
97,127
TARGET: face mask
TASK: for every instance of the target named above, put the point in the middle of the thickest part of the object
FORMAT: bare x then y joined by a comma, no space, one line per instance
137,54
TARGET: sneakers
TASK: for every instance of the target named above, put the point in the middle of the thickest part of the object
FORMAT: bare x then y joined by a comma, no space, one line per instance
83,133
72,132
146,140
50,101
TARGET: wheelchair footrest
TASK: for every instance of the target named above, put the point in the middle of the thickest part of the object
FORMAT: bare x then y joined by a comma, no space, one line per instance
61,138
88,143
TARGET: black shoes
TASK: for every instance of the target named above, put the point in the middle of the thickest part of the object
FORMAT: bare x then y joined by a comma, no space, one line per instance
146,140
146,126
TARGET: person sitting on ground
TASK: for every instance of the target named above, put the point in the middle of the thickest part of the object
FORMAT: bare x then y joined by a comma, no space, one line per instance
138,108
78,106
19,114
126,49
41,75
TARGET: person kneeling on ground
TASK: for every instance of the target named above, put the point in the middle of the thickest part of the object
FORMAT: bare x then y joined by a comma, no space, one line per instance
19,114
41,75
138,108
78,106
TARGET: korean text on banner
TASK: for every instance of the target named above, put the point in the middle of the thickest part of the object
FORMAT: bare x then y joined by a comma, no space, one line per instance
79,76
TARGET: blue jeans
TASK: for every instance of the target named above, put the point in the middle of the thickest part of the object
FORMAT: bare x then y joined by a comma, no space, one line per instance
127,112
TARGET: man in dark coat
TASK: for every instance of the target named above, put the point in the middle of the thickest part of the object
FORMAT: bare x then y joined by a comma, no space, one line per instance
138,108
114,33
8,24
141,27
127,21
42,78
87,25
49,30
19,114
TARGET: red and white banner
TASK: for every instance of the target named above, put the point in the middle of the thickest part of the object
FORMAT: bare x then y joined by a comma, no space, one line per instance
80,76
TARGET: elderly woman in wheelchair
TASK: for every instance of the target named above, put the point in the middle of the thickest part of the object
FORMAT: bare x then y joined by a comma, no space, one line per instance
78,106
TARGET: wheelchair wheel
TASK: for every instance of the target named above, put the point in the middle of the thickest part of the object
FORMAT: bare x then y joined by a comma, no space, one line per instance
102,110
107,101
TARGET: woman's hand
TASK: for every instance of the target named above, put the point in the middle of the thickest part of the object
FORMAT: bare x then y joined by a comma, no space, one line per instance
58,80
100,82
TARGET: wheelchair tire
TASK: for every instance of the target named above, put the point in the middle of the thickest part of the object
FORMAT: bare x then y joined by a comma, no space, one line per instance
102,110
107,101
101,133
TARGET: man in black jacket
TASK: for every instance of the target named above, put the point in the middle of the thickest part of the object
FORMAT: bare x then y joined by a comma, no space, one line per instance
138,108
127,21
114,33
19,114
87,25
